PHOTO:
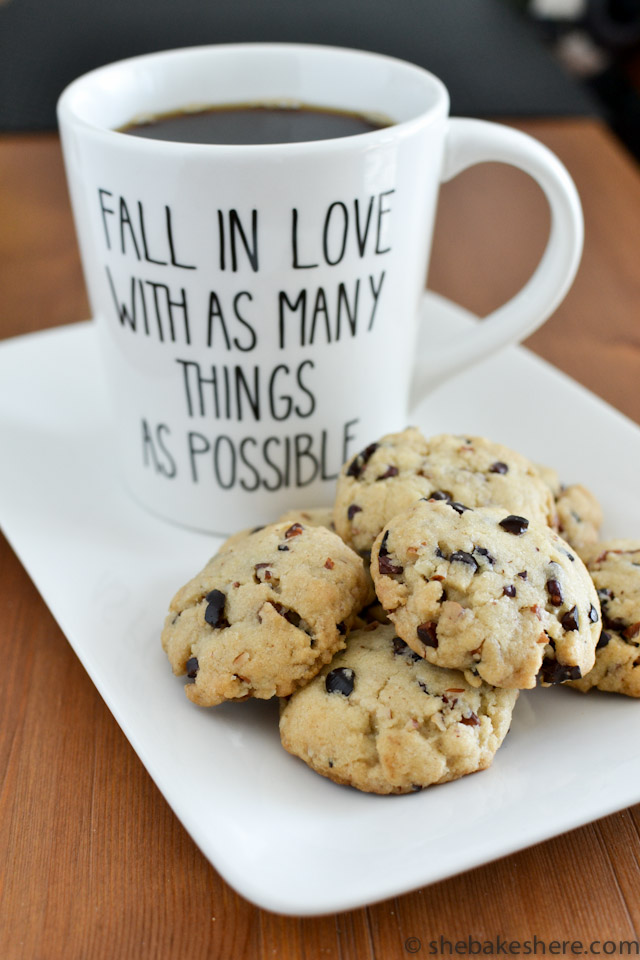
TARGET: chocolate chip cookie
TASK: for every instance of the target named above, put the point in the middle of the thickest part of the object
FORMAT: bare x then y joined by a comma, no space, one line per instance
382,719
388,476
264,616
309,516
551,478
579,516
615,568
497,595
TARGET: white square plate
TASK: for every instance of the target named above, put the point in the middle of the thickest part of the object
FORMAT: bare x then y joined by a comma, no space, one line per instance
284,837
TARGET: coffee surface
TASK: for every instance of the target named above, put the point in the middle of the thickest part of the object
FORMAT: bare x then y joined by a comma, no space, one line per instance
255,124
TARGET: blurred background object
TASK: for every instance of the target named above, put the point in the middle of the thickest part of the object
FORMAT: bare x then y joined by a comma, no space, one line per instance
499,58
598,41
490,56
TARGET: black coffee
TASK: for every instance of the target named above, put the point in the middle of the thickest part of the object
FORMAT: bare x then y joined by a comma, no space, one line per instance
255,123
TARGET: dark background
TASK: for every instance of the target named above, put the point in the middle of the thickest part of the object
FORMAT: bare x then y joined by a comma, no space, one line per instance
484,50
498,57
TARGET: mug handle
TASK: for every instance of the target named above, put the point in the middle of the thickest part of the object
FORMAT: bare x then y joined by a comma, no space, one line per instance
477,141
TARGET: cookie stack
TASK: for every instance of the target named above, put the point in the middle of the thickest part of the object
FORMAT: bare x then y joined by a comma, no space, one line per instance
399,628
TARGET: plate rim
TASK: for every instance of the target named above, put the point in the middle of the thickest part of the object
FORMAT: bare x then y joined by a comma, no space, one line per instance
269,899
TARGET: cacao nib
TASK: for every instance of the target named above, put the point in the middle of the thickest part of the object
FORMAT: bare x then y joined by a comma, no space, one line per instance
593,614
214,613
462,557
483,552
509,590
389,472
427,633
361,459
515,524
499,467
571,620
192,668
400,648
386,567
267,573
555,593
554,672
603,641
289,615
341,680
353,509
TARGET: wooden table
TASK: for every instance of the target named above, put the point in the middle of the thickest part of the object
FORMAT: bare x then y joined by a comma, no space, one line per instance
93,863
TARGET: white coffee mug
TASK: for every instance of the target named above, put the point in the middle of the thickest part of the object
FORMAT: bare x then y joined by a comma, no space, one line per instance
258,304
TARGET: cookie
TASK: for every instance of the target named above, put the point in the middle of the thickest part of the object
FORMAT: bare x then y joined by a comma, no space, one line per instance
551,478
579,516
309,516
615,568
390,475
264,616
497,595
385,721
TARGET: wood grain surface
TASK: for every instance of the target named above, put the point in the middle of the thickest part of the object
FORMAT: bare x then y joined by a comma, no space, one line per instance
93,863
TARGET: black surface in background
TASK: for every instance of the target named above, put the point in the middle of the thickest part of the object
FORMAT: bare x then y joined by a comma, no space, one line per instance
486,54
